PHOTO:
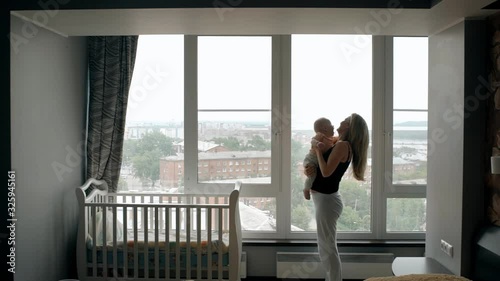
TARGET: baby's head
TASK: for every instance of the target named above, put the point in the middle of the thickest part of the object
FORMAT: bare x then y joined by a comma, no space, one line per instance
324,126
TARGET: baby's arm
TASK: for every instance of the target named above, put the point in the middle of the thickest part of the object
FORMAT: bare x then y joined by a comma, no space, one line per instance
317,141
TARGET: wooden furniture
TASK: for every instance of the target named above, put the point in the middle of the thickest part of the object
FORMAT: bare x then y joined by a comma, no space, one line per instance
146,236
417,265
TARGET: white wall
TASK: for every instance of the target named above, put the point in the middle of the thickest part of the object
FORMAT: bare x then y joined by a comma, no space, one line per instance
445,160
48,107
457,99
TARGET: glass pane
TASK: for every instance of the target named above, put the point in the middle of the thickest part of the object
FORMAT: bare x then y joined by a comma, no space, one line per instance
258,213
323,75
409,162
406,214
410,72
234,146
155,114
234,72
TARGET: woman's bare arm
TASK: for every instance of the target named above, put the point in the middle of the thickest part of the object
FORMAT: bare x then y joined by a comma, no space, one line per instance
338,154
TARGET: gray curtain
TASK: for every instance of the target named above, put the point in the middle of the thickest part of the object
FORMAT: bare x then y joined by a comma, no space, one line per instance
111,64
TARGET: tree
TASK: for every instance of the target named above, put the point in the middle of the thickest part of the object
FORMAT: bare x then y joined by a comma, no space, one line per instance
129,151
350,220
298,152
406,214
357,203
302,210
230,143
147,166
258,143
148,151
122,184
156,140
301,217
356,195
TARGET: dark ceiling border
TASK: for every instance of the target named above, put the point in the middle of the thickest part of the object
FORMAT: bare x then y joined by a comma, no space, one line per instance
435,2
493,6
134,4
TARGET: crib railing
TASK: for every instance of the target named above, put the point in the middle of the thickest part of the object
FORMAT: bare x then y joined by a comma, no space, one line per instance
170,199
119,227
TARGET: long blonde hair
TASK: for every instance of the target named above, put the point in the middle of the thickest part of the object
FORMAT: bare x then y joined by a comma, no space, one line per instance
359,137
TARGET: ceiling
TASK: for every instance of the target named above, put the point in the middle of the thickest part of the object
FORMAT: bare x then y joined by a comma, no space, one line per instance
215,17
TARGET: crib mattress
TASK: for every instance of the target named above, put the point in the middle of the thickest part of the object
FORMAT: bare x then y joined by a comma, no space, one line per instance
147,253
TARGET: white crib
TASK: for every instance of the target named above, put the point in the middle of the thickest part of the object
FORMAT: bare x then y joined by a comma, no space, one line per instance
144,236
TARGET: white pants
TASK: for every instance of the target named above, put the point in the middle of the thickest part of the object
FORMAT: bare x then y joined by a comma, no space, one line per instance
328,208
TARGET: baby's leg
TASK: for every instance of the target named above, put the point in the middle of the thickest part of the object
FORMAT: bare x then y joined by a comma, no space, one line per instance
309,160
307,186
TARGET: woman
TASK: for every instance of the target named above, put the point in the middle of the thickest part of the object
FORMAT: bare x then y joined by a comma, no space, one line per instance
351,147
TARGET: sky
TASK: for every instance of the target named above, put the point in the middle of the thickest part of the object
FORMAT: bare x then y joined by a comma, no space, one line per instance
331,77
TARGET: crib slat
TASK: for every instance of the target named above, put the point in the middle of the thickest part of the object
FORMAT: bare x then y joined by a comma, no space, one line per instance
157,257
151,221
188,243
125,246
115,250
219,252
167,243
162,224
177,244
104,250
142,213
146,248
209,243
226,213
198,252
94,241
136,256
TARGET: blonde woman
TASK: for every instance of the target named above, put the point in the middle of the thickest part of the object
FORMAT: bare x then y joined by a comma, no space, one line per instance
352,147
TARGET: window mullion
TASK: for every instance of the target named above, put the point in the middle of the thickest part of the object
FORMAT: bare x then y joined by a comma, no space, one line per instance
379,136
391,190
190,107
387,186
282,123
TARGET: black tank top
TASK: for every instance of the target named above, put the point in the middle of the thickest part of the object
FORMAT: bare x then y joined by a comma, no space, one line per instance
330,184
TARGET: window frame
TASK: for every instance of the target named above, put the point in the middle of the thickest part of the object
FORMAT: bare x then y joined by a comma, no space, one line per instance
280,186
390,190
272,190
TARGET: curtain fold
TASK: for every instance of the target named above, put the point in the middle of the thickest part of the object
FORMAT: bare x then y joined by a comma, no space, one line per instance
111,64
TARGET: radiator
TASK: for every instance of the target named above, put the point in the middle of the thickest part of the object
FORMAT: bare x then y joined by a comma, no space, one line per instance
300,265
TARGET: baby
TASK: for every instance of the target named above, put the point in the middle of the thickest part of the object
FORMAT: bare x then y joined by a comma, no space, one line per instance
324,140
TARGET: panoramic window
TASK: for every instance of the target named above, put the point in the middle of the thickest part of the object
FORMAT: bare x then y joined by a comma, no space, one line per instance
234,104
234,109
328,83
206,111
154,128
406,192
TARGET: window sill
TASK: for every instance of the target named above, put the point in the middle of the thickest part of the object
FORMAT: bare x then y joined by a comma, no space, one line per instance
341,243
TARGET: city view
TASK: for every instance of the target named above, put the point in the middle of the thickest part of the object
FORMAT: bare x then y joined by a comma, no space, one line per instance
236,102
153,161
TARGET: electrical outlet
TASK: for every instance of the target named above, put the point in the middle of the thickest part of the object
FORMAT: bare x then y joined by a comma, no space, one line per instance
447,248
